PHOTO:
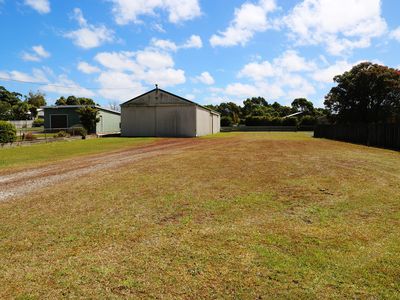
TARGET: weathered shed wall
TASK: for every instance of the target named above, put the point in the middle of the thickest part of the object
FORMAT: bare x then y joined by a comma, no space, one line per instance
162,121
216,123
73,118
109,122
160,113
203,121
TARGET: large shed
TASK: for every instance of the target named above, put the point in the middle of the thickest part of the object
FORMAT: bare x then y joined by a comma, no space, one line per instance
162,114
63,117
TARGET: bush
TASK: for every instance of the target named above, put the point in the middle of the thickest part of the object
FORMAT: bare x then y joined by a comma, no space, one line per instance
8,133
29,136
308,121
78,131
61,134
38,123
226,121
257,121
289,122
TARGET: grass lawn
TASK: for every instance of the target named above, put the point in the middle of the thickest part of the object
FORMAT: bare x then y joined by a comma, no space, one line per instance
45,153
240,216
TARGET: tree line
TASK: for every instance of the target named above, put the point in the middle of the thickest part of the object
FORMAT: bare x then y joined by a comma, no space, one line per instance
257,111
15,106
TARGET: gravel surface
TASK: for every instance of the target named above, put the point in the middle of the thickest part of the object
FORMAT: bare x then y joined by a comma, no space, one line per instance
20,183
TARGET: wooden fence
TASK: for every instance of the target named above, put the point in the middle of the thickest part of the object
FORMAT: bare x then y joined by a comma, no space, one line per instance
377,135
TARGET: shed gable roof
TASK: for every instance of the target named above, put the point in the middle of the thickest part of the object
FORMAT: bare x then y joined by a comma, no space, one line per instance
161,97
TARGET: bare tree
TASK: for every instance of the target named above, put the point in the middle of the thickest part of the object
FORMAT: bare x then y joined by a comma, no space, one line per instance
114,105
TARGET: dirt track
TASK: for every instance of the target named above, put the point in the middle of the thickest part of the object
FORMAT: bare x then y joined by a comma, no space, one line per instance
19,183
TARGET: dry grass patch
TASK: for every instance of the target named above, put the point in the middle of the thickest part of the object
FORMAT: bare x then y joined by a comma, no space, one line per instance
249,215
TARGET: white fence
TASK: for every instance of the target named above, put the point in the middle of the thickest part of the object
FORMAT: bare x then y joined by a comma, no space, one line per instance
22,123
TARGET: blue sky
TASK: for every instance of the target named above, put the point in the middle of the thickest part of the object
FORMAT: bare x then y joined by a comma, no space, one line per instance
207,51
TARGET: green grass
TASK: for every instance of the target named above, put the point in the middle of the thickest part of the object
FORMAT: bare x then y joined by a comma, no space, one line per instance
45,153
243,216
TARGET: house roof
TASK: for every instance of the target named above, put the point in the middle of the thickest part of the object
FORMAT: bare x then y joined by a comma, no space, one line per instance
295,114
79,106
166,92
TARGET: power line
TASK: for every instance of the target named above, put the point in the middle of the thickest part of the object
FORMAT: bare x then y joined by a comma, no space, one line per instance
60,86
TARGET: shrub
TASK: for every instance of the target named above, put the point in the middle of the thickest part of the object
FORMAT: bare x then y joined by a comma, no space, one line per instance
289,122
38,123
61,134
8,133
226,121
308,121
78,131
29,136
256,121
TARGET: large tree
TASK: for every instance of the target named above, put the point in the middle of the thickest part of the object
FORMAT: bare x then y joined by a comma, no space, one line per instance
367,93
11,106
72,100
35,100
89,117
303,105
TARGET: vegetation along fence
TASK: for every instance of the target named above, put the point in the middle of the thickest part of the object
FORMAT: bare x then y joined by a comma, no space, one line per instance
377,135
267,128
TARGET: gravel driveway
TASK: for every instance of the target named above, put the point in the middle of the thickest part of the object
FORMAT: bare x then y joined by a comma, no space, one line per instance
16,184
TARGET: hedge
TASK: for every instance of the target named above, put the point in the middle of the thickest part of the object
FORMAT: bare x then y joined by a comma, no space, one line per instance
8,133
270,121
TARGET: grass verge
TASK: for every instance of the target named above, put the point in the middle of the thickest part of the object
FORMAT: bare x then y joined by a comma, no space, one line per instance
249,216
51,152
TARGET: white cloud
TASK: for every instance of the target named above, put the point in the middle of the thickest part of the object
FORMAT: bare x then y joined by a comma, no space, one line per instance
164,44
241,90
154,59
257,71
286,76
340,25
38,53
89,36
205,78
41,6
326,75
164,77
86,68
127,11
249,19
395,34
190,97
119,61
290,61
65,86
37,76
193,42
133,70
119,86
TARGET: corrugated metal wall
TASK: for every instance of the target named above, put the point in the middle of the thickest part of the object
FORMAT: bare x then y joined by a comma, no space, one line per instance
109,123
203,121
162,121
160,113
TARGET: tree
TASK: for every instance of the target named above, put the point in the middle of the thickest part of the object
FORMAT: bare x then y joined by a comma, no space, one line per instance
367,93
89,117
20,111
114,105
11,105
61,101
35,100
72,100
303,105
254,106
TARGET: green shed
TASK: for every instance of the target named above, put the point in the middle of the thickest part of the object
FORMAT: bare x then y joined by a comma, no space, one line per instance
66,116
